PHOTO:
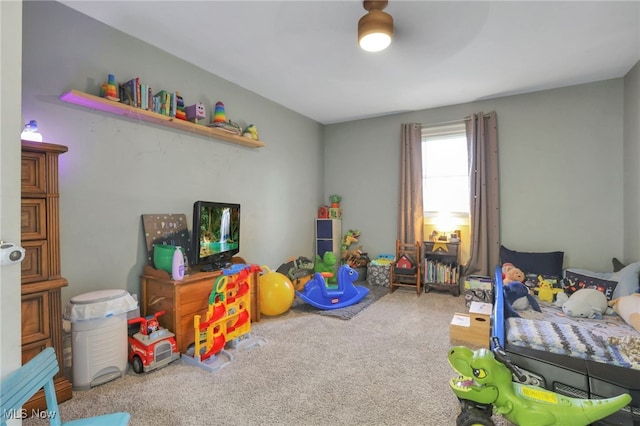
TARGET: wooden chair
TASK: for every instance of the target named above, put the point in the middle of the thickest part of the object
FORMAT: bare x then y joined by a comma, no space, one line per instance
405,269
22,384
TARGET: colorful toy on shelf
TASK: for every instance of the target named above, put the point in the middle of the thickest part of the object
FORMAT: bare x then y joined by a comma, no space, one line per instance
335,212
317,294
323,212
276,293
181,112
485,386
251,132
220,121
326,263
196,112
219,115
227,318
152,346
109,89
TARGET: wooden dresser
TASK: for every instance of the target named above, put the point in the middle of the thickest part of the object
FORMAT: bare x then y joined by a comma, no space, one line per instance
40,278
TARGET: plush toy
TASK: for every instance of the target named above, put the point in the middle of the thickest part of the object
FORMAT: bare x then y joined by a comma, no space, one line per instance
628,307
517,297
546,291
251,132
586,303
512,274
327,263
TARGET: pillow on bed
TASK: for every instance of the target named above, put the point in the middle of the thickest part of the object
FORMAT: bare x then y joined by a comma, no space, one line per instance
576,279
549,264
628,307
628,280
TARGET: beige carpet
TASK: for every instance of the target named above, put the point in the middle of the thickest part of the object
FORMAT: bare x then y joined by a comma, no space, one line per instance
385,366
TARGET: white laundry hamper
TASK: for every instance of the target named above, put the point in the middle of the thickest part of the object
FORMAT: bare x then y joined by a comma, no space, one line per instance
99,336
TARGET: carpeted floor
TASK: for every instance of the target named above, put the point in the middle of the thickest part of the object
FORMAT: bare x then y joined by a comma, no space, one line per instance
385,366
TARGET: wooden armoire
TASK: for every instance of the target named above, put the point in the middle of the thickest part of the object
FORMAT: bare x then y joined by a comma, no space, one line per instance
41,280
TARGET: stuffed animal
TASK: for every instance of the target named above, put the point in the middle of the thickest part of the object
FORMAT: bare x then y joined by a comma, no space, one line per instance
512,274
546,291
327,263
628,307
586,303
517,297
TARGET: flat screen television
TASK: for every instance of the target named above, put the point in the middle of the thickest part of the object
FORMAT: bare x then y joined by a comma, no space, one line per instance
216,234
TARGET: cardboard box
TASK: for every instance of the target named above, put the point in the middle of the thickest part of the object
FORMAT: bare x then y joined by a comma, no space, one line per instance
465,331
480,309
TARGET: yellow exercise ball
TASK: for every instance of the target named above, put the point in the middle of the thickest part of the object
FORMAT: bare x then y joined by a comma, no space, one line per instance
276,293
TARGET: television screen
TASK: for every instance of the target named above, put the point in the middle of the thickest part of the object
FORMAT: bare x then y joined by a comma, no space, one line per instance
216,233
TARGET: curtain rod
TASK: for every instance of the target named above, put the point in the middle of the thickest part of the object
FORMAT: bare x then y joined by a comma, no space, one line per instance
445,123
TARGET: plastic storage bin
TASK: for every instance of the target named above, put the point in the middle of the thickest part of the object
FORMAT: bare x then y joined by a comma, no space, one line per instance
99,336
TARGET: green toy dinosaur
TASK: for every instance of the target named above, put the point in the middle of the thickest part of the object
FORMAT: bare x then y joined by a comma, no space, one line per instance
484,380
327,263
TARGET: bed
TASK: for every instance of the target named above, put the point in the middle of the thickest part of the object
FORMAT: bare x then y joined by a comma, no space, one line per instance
579,357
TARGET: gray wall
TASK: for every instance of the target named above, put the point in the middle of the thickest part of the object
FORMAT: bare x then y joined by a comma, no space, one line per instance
118,169
10,126
561,160
560,155
631,193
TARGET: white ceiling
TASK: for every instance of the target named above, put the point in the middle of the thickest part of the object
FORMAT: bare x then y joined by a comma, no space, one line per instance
304,54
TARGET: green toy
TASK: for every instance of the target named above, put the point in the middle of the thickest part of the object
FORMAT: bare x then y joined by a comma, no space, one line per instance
485,383
327,263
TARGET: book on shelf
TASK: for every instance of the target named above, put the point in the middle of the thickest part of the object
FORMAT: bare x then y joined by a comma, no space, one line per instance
128,93
439,272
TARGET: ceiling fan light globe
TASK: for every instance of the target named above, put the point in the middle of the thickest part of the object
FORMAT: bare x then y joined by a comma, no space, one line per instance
375,42
375,30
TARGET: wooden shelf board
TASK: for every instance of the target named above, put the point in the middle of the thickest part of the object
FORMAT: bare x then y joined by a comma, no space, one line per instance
95,102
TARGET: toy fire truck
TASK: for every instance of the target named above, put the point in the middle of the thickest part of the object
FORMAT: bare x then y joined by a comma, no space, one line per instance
152,347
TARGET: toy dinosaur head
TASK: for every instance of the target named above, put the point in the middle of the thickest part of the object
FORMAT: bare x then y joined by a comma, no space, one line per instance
351,237
481,376
329,259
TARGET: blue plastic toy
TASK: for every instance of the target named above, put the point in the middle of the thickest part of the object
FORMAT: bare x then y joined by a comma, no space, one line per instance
318,295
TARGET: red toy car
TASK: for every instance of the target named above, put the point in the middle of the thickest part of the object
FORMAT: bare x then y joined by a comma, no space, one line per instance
152,346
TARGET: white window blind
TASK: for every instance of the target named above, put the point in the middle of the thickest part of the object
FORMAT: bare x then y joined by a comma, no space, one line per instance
445,170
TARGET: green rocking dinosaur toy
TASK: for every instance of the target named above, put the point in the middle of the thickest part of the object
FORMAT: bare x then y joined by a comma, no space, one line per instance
488,382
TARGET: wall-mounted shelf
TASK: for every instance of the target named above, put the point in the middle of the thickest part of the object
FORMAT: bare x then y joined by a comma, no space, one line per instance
95,102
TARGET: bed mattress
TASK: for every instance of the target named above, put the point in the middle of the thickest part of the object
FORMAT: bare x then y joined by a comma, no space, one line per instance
609,340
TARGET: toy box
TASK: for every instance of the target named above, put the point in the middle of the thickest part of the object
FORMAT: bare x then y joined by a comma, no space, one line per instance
378,274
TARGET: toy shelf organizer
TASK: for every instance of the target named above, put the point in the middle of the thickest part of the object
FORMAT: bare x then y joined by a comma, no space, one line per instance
227,321
101,104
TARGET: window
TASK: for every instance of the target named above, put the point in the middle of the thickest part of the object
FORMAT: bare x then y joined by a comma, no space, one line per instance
445,171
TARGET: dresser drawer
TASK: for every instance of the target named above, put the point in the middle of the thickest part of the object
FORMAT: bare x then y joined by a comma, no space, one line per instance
35,317
33,173
35,266
33,349
33,216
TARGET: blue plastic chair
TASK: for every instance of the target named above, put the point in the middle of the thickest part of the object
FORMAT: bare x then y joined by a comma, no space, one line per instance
22,384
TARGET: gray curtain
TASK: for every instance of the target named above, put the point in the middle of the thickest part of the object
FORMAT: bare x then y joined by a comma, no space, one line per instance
482,147
411,210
